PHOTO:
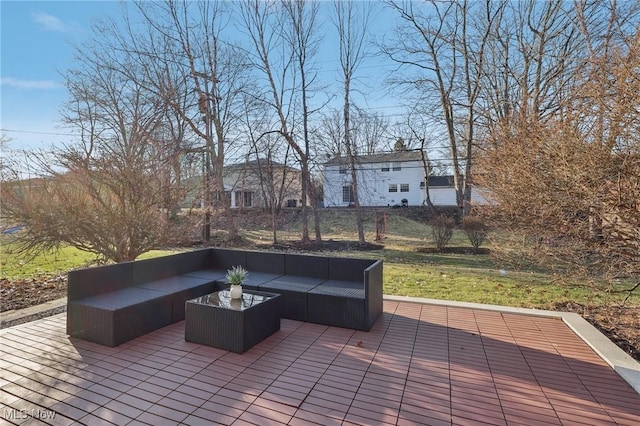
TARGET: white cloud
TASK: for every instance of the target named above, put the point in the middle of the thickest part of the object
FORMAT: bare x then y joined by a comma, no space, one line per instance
50,22
28,84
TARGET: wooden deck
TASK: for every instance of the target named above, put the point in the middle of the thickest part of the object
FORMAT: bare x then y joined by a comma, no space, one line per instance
420,364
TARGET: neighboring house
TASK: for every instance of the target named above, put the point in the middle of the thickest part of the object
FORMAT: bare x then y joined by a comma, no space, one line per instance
390,179
255,183
442,192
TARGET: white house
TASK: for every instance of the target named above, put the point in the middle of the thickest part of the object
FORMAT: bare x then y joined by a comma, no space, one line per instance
390,179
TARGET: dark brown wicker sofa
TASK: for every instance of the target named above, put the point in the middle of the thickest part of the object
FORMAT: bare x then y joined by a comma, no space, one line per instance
112,304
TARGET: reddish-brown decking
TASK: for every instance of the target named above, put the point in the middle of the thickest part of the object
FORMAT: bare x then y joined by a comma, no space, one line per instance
420,364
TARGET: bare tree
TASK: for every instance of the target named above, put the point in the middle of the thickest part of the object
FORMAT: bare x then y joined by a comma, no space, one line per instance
183,58
302,33
352,21
419,132
330,133
6,172
369,131
444,45
273,178
282,45
530,65
103,194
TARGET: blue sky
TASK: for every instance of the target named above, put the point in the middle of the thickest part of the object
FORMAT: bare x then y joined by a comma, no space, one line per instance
36,47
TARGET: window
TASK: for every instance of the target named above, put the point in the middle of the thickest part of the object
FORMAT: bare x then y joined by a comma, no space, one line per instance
385,167
247,199
422,185
343,170
347,194
397,167
404,187
244,199
393,187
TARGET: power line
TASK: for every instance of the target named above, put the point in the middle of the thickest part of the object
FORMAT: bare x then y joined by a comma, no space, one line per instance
37,133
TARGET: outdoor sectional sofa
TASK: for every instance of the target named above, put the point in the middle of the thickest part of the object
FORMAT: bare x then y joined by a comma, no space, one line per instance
112,304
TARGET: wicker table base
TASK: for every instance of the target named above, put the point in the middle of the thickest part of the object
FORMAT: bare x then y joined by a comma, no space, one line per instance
234,325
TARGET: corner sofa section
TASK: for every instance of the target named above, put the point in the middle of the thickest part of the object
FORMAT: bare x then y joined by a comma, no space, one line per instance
342,300
112,304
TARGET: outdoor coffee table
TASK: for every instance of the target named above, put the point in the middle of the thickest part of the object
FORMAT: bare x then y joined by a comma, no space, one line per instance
232,324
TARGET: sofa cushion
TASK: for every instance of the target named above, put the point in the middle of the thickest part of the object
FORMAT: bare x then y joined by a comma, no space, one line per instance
212,275
256,279
180,289
272,263
340,288
121,298
348,269
307,266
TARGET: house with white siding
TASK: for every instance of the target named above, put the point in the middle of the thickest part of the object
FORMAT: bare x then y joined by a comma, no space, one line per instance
390,179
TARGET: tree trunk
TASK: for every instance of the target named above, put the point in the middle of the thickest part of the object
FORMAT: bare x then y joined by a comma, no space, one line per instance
427,173
305,211
352,165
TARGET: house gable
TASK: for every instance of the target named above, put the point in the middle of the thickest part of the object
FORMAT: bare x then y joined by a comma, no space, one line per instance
383,179
252,182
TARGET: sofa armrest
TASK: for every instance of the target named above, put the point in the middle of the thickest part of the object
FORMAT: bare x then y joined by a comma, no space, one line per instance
373,292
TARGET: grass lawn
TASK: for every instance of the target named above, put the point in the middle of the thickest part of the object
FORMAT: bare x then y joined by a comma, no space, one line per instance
14,265
407,272
460,277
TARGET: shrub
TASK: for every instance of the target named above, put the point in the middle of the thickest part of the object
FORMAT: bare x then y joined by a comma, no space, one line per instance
475,229
442,230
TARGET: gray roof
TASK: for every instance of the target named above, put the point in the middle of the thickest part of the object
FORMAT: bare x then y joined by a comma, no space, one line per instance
256,164
441,181
378,158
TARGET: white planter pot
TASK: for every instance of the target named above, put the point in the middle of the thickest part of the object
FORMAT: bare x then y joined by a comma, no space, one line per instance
236,291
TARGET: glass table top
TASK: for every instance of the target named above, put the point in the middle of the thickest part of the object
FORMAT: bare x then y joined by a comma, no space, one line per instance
222,299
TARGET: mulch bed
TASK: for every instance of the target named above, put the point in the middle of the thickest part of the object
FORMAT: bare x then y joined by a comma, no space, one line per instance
454,250
25,292
328,245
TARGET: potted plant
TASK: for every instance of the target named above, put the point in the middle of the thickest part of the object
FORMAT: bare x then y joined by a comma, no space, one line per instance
236,276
